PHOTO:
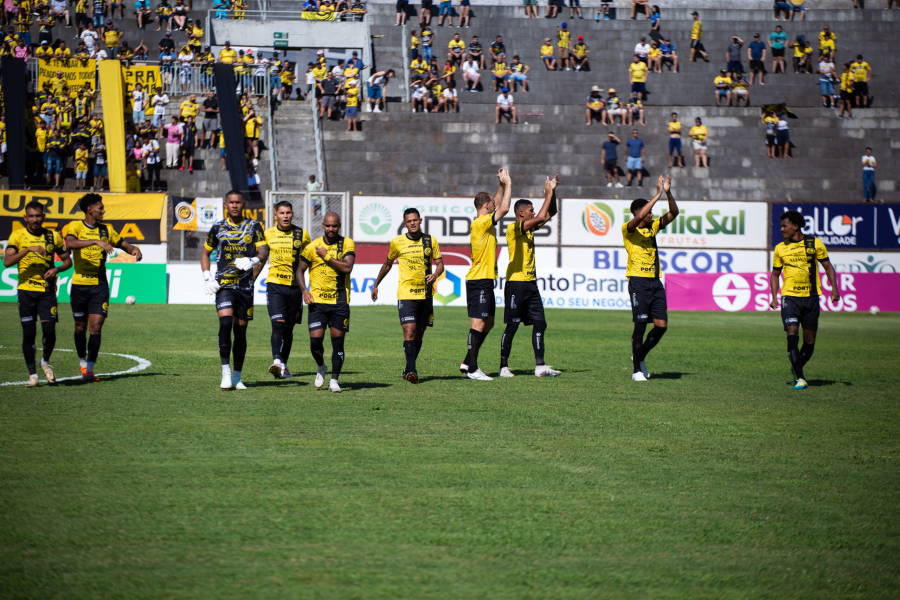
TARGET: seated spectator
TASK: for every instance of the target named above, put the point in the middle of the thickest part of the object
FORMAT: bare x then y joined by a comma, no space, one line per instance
826,81
352,94
377,84
419,68
733,57
476,52
221,7
125,54
448,78
802,55
643,5
723,87
62,53
667,49
81,53
609,157
642,50
518,73
420,99
457,49
179,14
700,137
499,73
498,49
798,6
547,55
143,13
740,90
674,127
505,107
634,109
828,43
580,54
780,7
756,52
595,106
471,76
613,107
564,47
603,9
60,12
449,100
163,16
637,76
655,58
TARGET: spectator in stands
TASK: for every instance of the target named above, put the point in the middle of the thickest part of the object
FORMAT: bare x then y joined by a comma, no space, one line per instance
740,90
139,103
655,23
497,48
696,39
445,10
635,162
377,84
448,78
188,144
723,87
163,15
798,6
604,10
505,107
476,52
173,143
609,158
352,94
240,6
637,76
784,136
547,55
152,162
802,55
575,9
167,44
159,101
644,6
499,73
642,50
471,76
655,58
580,54
531,9
756,52
553,7
81,166
179,14
613,107
143,13
564,46
227,55
781,8
700,137
356,12
188,108
846,92
60,12
111,38
667,49
634,109
89,37
770,121
862,72
674,126
126,54
420,99
733,57
329,89
826,81
449,99
210,120
868,169
425,13
828,43
457,49
777,41
518,73
100,167
427,44
595,106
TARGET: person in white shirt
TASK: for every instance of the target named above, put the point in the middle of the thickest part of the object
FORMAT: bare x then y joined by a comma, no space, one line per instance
159,102
152,161
139,102
314,186
471,75
90,37
420,97
826,81
449,100
377,85
99,54
868,166
505,106
642,50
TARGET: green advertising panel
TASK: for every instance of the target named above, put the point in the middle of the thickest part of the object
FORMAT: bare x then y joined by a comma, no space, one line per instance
147,283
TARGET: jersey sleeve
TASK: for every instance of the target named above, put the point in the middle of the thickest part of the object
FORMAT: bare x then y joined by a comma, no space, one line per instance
211,238
821,251
304,242
73,229
393,252
259,235
14,242
115,239
308,254
349,247
654,228
435,249
777,262
58,242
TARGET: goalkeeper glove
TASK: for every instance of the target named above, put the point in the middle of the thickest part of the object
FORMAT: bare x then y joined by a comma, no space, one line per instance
245,264
210,285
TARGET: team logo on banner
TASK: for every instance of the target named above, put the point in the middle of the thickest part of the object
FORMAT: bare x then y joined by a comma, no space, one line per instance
184,212
597,218
731,292
375,219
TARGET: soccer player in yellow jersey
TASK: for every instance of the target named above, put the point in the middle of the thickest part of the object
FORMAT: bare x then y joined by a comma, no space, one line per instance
92,240
799,256
480,280
283,298
33,248
648,296
415,251
330,260
522,303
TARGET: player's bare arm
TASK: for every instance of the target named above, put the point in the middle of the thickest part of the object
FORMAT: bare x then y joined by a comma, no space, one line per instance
504,193
543,215
53,271
11,257
385,269
439,269
832,279
773,286
262,253
300,278
673,208
645,211
132,250
72,243
341,266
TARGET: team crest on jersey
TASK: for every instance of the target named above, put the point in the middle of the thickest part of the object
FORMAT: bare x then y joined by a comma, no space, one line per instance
103,238
346,322
431,318
250,312
247,239
106,306
297,243
49,249
54,311
427,251
810,251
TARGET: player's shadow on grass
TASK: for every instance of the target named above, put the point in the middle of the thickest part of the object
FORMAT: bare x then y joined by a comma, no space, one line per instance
674,375
822,382
292,382
77,382
363,386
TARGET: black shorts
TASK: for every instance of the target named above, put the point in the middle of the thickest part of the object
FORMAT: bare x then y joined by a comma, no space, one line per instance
480,298
89,300
771,140
38,305
611,166
285,303
420,312
329,315
82,19
800,311
846,95
239,301
648,299
861,88
757,65
778,52
697,45
522,303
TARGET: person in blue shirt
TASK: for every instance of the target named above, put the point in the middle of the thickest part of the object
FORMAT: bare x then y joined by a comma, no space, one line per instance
668,54
144,13
777,41
166,60
756,52
608,157
635,161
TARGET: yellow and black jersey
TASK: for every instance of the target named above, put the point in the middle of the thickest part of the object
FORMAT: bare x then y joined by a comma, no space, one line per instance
520,244
643,256
799,261
90,262
285,248
33,266
327,285
234,240
484,249
414,257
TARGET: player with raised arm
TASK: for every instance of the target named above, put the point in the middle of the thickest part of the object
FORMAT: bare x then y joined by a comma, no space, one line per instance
415,251
522,298
286,243
241,250
33,248
799,256
648,296
482,275
330,260
92,240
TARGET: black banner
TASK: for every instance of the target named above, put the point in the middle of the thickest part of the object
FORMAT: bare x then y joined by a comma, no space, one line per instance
14,86
232,127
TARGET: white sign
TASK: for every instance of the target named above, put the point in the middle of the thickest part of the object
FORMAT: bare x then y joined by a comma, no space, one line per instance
699,224
670,260
865,262
380,219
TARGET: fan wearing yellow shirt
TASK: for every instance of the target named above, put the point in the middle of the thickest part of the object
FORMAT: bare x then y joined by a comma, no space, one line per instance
798,256
252,124
723,87
352,94
674,126
564,46
846,92
457,49
648,296
329,260
227,55
283,298
547,55
637,76
522,303
696,37
92,240
32,248
81,166
188,108
480,280
827,42
415,252
862,72
700,136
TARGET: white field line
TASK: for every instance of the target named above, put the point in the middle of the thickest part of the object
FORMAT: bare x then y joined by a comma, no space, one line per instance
142,363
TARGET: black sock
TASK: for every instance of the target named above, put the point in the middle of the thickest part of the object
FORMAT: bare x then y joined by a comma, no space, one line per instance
655,335
637,345
538,340
225,325
418,347
806,352
794,356
287,340
409,349
318,350
93,347
506,343
29,332
240,346
81,344
48,330
337,356
277,339
476,338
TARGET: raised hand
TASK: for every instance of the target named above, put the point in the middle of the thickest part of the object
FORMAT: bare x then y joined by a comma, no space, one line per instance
554,182
659,184
667,185
503,176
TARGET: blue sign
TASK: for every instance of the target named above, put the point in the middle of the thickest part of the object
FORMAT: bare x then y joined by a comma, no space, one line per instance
845,226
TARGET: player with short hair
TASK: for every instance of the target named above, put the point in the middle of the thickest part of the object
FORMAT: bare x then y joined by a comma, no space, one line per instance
92,240
241,249
33,248
286,242
330,260
799,256
415,251
522,298
480,280
648,296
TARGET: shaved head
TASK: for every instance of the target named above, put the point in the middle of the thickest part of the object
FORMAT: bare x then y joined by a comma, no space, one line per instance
332,218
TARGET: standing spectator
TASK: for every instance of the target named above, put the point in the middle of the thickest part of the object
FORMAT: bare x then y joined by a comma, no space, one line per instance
315,201
771,123
471,75
756,52
167,44
152,162
188,144
427,44
696,39
723,88
862,72
564,46
505,107
777,41
531,10
828,42
594,107
518,73
98,14
173,143
733,57
329,89
868,168
826,81
377,83
414,45
445,10
312,185
81,16
139,103
635,161
81,166
497,48
547,55
637,76
456,50
667,49
740,90
655,58
227,55
642,50
846,92
188,108
700,137
352,94
56,147
100,167
210,120
674,126
425,13
580,54
159,102
609,158
784,136
476,52
111,38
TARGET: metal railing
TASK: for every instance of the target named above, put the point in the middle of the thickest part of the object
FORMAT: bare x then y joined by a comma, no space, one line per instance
287,15
320,146
310,208
405,55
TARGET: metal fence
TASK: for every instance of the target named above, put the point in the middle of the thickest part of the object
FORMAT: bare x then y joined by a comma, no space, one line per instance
310,208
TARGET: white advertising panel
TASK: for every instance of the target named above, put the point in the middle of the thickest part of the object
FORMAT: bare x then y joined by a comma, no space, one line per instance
865,262
673,260
699,224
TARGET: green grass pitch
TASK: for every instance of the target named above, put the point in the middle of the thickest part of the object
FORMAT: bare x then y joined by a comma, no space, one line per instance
712,480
